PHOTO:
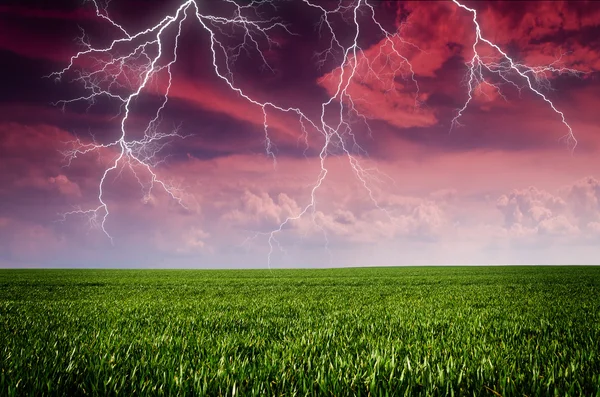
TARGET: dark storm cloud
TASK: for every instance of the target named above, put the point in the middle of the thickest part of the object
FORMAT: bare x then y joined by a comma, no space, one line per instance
223,163
48,41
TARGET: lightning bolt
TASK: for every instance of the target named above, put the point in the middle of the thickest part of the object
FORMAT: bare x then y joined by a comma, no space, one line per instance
141,62
533,78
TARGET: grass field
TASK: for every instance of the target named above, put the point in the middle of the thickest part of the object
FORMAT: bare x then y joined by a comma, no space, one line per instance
370,331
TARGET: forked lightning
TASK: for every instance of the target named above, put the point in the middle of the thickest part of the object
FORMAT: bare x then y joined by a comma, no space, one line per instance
139,62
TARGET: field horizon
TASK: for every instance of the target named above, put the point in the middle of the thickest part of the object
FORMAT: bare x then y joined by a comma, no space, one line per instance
218,267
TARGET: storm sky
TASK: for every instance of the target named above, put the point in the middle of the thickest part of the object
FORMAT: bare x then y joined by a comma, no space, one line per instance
502,188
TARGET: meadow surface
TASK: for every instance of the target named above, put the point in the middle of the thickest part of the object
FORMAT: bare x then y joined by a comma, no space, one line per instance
369,331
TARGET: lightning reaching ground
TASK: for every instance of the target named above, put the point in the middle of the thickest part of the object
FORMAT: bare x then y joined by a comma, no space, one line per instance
142,62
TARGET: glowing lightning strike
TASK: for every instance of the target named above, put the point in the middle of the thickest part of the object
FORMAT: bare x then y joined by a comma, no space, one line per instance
132,153
336,132
138,63
143,61
478,64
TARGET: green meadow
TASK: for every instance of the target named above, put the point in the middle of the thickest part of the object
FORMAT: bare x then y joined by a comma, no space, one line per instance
416,331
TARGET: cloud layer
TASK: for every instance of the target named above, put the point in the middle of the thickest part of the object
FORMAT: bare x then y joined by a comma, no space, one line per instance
501,189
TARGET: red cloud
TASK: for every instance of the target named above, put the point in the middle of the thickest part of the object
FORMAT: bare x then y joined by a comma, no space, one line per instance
545,32
376,90
383,88
225,101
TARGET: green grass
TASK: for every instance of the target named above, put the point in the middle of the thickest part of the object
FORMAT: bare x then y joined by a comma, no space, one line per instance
379,331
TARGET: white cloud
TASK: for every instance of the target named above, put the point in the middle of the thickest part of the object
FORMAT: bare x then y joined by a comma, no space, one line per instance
573,211
401,217
260,211
65,186
191,240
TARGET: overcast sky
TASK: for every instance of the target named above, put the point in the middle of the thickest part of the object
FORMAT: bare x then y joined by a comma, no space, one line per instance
501,188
